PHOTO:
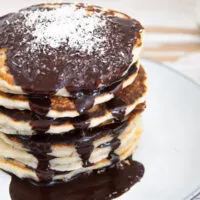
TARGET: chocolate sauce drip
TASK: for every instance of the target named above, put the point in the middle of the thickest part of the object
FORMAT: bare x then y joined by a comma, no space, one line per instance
42,143
114,144
84,149
111,183
44,173
114,87
84,103
113,157
83,140
81,122
40,150
40,104
117,107
36,143
40,126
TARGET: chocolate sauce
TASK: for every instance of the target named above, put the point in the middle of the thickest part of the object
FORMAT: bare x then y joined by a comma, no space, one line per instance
40,145
40,104
109,184
85,146
114,144
36,143
84,149
113,157
84,103
44,173
117,107
114,87
40,126
81,122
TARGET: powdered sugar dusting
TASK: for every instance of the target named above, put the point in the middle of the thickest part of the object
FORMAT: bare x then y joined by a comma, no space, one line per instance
66,24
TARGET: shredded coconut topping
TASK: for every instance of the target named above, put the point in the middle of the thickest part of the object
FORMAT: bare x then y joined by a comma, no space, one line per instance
66,24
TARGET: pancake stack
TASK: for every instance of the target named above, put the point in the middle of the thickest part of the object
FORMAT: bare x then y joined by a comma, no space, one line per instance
72,90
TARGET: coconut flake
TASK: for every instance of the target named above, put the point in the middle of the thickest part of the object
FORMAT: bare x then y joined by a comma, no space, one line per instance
66,24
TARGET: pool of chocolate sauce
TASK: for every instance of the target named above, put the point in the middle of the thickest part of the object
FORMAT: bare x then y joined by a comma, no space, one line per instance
109,184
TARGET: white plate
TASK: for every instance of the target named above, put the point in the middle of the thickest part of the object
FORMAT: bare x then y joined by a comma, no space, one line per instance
170,145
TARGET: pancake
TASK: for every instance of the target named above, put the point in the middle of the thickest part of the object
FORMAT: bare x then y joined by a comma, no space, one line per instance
63,145
63,106
26,166
73,161
38,57
27,123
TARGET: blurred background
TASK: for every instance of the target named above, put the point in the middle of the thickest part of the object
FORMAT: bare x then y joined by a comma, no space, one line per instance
172,28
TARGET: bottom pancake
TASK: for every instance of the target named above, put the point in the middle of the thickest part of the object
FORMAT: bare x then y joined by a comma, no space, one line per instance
106,151
106,184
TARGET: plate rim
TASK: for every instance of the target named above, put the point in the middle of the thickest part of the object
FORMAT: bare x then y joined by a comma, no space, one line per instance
172,70
196,192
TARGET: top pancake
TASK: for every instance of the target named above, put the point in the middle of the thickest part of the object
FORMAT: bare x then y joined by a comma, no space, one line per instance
66,49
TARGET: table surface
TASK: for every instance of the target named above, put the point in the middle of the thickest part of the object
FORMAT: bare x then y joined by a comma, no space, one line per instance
169,44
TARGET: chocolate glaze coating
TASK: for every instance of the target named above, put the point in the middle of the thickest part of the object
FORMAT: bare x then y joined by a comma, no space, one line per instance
39,67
